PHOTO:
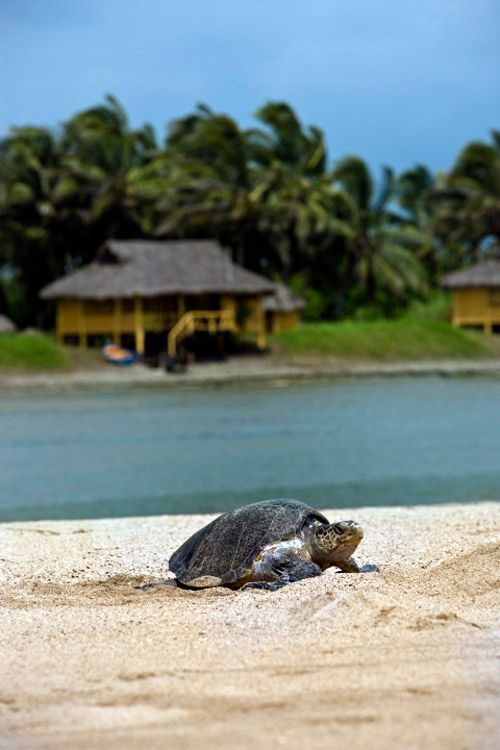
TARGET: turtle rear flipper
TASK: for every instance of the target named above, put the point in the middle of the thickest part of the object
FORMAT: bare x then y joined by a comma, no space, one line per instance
296,571
203,582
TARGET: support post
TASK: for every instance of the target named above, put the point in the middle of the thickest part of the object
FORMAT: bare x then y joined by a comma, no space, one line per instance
82,327
139,325
181,305
117,309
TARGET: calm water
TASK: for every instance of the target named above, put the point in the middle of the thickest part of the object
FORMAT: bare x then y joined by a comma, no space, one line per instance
353,442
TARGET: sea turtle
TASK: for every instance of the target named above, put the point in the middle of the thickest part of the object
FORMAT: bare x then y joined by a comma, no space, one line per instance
265,545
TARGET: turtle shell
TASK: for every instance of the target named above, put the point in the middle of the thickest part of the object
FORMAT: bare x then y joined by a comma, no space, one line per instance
223,551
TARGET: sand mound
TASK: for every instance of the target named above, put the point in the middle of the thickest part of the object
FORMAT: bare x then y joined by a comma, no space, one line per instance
473,573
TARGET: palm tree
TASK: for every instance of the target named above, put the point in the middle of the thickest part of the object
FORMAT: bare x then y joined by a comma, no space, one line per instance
286,142
468,216
100,150
295,192
203,184
39,211
382,247
62,193
416,192
413,190
253,189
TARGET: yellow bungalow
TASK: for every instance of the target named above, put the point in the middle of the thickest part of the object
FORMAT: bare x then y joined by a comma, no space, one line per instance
150,295
476,295
283,309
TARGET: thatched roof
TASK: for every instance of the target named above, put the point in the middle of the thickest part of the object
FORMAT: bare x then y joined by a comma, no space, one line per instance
484,274
283,300
6,325
149,268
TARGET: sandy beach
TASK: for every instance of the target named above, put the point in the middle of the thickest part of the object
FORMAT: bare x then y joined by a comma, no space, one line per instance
404,658
237,371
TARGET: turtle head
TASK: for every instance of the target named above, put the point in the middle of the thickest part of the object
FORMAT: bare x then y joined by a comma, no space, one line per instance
334,543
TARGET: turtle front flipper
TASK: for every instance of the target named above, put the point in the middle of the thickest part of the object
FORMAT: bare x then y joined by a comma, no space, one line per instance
349,565
296,570
266,585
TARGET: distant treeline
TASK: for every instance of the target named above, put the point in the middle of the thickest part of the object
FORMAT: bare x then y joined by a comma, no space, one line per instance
350,242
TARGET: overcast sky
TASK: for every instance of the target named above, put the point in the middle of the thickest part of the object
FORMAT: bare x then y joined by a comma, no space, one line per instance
396,81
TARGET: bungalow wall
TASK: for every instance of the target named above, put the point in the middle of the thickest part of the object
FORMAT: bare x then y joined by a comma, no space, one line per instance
476,307
277,321
79,320
82,319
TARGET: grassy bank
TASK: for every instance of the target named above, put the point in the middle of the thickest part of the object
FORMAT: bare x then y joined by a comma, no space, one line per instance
409,338
31,351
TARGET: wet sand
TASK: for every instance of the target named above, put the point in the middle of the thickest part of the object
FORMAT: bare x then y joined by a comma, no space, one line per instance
405,658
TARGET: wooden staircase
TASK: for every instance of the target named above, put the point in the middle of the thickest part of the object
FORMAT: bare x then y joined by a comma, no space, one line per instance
212,321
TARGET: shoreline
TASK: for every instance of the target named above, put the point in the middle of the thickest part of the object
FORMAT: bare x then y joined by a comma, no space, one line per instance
248,370
407,657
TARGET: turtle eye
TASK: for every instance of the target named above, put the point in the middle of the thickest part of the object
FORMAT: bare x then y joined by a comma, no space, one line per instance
338,528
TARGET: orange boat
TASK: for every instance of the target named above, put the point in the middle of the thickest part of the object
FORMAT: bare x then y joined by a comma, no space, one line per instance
117,355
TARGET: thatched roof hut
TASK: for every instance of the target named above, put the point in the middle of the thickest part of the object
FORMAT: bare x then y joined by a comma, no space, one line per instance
283,299
148,268
6,325
476,295
283,309
483,274
141,292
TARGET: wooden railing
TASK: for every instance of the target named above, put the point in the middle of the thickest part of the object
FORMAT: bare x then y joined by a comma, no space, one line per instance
213,321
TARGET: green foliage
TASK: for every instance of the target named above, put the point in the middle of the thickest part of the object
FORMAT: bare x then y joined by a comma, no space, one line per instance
408,338
360,246
11,296
317,303
31,351
467,211
436,307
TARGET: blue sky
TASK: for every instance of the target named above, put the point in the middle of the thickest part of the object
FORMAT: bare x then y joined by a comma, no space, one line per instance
396,81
